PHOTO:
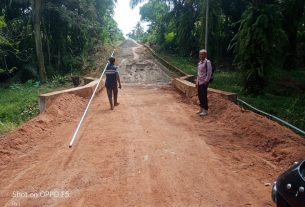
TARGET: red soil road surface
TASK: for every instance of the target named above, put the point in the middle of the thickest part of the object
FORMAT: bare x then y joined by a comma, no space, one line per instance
152,150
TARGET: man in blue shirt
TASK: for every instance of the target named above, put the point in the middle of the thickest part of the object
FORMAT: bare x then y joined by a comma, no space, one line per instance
112,78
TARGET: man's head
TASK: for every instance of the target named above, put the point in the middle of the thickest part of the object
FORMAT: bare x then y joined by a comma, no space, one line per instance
111,60
202,54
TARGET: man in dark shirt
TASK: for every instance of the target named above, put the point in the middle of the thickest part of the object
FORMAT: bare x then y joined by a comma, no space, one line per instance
112,77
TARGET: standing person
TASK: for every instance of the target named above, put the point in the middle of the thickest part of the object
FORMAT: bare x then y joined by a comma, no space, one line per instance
202,82
112,78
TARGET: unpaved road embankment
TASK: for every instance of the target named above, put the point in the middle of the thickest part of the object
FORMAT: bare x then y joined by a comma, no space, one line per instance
152,150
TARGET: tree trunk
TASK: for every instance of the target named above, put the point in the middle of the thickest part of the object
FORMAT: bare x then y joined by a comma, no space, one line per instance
292,17
58,59
46,36
4,58
37,7
49,52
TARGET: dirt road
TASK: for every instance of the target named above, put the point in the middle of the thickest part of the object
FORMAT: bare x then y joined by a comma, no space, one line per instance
152,150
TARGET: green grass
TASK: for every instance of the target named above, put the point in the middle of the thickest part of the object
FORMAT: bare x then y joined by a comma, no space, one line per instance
181,62
282,98
288,108
7,127
19,102
227,81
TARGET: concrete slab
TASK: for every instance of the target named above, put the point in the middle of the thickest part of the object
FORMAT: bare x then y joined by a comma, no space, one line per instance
227,95
89,79
188,88
46,99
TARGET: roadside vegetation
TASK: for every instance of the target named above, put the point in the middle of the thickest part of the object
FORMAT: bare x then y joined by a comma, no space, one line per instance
256,47
19,101
284,96
43,43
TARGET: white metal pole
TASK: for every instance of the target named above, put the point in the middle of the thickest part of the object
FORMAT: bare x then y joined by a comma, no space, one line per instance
85,112
207,24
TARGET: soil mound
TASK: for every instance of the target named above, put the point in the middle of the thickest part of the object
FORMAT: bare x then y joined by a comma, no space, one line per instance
257,133
65,108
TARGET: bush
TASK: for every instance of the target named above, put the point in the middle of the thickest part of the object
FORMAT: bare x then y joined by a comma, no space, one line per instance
27,73
58,80
257,45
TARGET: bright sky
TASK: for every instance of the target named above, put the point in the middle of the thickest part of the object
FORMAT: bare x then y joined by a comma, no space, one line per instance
126,17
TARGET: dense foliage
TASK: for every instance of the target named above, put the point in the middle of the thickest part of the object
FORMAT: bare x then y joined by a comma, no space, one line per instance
253,36
40,38
259,45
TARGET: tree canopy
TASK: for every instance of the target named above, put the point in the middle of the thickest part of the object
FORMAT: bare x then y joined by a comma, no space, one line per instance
253,36
39,38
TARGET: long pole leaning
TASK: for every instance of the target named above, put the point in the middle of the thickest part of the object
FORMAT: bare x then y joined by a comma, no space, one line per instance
88,105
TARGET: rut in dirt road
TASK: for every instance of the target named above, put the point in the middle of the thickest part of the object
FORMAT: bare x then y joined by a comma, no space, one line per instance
152,150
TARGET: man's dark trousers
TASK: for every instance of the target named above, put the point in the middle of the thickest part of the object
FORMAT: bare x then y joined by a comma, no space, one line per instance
114,91
203,96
